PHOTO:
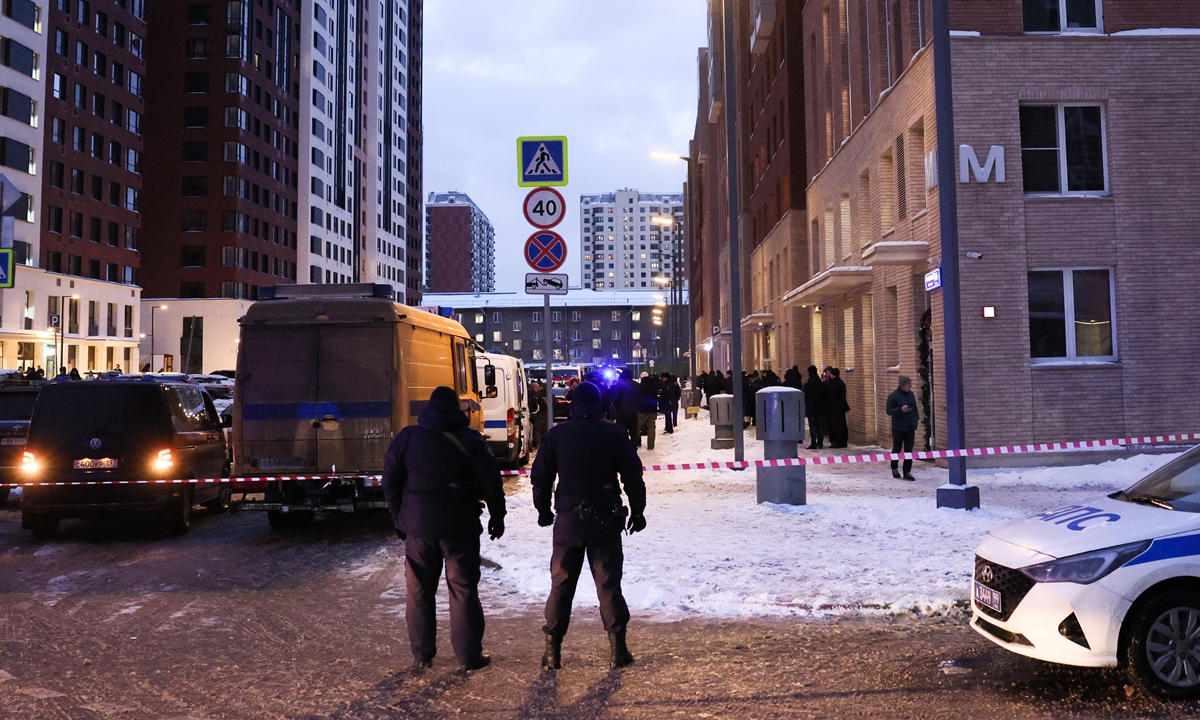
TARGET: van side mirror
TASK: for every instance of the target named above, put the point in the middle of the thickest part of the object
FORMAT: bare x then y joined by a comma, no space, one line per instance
492,392
489,375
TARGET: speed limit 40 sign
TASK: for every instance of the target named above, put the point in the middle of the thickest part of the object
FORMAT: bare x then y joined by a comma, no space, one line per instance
544,208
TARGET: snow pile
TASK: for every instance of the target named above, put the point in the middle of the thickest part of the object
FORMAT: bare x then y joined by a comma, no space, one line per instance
866,544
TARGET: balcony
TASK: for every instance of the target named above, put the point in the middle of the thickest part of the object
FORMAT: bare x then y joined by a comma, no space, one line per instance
829,285
893,253
764,23
758,320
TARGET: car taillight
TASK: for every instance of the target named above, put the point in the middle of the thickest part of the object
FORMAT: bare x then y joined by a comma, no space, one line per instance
29,463
512,429
163,461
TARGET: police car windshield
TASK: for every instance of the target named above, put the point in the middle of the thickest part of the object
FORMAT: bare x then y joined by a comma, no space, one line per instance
1175,485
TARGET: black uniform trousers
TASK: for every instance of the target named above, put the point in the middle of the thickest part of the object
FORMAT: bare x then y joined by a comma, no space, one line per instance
903,441
573,540
423,569
630,425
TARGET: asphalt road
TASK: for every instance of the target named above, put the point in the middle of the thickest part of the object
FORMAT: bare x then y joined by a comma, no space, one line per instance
237,621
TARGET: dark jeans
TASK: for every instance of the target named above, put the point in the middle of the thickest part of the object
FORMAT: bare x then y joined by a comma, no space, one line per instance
423,569
672,416
816,430
565,566
630,425
903,441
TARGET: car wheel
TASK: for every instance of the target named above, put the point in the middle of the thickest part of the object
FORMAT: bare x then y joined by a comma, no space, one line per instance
42,527
1163,653
220,503
179,518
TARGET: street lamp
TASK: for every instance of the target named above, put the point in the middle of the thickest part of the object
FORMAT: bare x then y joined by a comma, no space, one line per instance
152,309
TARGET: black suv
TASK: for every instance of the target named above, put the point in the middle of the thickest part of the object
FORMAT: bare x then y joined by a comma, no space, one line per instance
16,407
125,429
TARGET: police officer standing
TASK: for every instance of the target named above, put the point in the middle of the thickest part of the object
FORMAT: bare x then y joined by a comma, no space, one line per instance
587,454
434,476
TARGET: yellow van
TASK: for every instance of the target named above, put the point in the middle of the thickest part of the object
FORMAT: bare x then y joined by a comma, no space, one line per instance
326,377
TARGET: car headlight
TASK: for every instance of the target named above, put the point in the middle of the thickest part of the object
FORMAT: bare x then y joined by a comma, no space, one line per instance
1086,568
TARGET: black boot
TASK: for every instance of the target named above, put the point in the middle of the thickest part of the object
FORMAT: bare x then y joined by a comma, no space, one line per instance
552,658
620,652
895,473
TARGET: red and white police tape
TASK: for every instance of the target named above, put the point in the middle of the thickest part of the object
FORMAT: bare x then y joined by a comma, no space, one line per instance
375,480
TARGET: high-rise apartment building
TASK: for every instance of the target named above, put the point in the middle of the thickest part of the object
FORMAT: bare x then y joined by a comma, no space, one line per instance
355,120
222,147
95,109
630,240
415,139
460,245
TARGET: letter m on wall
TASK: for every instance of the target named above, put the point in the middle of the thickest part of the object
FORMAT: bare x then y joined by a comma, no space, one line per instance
968,164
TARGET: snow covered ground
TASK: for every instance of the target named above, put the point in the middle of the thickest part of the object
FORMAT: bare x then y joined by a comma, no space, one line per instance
866,543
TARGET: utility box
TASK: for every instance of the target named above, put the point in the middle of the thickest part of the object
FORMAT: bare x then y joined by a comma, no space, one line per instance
720,414
780,425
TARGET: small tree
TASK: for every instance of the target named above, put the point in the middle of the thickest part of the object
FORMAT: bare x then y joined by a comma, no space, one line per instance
925,357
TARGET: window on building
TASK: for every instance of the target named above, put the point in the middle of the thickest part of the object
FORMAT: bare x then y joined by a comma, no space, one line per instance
1071,315
199,14
616,334
556,316
516,326
636,315
195,186
195,151
616,315
1062,149
496,336
195,117
194,221
192,256
478,318
516,344
195,82
19,58
1052,16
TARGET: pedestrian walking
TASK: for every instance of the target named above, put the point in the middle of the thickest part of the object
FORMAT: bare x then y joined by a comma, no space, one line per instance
537,412
815,400
587,455
648,409
669,398
434,476
622,405
902,407
839,432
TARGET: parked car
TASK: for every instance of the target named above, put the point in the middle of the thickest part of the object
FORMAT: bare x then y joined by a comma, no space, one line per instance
143,429
1114,582
17,399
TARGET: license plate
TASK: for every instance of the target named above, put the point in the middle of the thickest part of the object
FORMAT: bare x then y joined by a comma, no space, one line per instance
96,464
12,441
988,597
281,464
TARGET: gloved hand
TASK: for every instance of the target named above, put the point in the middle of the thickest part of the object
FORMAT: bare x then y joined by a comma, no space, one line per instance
637,523
496,528
545,518
401,534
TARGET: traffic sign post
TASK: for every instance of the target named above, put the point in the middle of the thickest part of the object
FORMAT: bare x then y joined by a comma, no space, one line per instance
542,161
545,251
544,208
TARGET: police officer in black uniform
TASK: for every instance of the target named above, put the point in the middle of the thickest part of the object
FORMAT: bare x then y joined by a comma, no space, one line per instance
434,476
587,454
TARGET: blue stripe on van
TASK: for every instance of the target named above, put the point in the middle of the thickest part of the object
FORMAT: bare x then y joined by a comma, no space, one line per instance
313,411
495,424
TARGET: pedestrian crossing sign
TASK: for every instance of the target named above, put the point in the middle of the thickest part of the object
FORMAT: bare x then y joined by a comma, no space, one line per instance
6,267
542,161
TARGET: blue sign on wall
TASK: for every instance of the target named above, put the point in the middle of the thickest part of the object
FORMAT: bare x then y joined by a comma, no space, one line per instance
933,280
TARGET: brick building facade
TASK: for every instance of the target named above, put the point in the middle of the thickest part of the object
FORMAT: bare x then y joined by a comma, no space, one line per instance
460,245
1074,209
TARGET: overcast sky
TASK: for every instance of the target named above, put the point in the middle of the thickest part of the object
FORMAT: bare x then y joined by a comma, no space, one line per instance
617,77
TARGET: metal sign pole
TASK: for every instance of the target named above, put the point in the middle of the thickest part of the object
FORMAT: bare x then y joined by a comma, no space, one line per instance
547,352
735,251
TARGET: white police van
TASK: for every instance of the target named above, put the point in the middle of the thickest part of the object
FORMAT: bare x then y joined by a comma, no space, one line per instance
1114,582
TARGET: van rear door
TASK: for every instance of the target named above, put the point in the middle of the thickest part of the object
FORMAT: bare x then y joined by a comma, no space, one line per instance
277,381
354,396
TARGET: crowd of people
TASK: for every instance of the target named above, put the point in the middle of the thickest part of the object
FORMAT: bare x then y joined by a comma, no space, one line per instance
825,403
632,405
36,372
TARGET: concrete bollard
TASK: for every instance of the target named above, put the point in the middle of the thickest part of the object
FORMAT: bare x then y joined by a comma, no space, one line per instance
780,425
720,414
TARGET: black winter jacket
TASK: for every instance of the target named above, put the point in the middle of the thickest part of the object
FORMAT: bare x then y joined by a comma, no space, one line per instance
433,489
903,421
586,454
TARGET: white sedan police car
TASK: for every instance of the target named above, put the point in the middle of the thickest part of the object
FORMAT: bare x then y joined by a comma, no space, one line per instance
1113,582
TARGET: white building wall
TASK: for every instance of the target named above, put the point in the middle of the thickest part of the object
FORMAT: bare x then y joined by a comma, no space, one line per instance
27,228
616,229
218,350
